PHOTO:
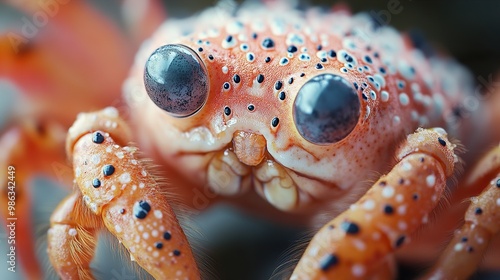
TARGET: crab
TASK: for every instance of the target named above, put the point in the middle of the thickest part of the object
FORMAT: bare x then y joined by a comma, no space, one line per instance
323,116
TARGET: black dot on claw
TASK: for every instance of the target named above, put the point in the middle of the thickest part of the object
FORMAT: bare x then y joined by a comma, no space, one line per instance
464,239
108,170
236,78
158,245
97,138
275,122
328,261
441,141
278,85
388,209
122,211
478,211
167,235
282,95
292,49
260,78
400,241
251,107
141,209
498,183
470,249
227,111
349,227
96,183
176,252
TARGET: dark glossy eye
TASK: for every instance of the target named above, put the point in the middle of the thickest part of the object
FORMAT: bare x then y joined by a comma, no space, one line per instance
176,80
326,109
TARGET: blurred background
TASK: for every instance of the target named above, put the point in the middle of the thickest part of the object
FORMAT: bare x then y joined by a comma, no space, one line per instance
238,245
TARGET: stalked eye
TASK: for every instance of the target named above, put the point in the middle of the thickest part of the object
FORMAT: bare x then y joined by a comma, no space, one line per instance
326,109
176,80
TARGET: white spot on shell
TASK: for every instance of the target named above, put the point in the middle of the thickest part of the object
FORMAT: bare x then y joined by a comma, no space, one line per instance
294,39
388,192
95,159
158,214
458,247
369,204
402,209
359,244
396,120
430,180
314,251
125,178
406,166
154,233
384,96
358,270
498,201
156,254
110,112
72,232
425,219
402,225
119,155
145,235
225,69
141,185
404,99
118,228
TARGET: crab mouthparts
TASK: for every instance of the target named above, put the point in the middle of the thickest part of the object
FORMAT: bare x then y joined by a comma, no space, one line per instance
249,147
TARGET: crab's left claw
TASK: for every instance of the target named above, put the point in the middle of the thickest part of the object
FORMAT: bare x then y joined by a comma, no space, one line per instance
117,192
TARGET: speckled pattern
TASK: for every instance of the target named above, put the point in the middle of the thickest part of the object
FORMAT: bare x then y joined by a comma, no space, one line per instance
257,62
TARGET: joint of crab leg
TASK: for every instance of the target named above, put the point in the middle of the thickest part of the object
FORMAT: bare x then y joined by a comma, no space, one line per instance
107,120
433,142
117,187
355,243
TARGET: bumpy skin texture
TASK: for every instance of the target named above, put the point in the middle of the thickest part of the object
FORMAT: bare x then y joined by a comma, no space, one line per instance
257,63
398,88
244,139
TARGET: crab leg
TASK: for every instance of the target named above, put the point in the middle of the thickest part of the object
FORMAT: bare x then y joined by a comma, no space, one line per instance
118,189
361,239
482,222
72,238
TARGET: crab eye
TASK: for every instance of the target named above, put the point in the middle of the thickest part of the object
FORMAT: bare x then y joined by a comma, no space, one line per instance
326,109
176,80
